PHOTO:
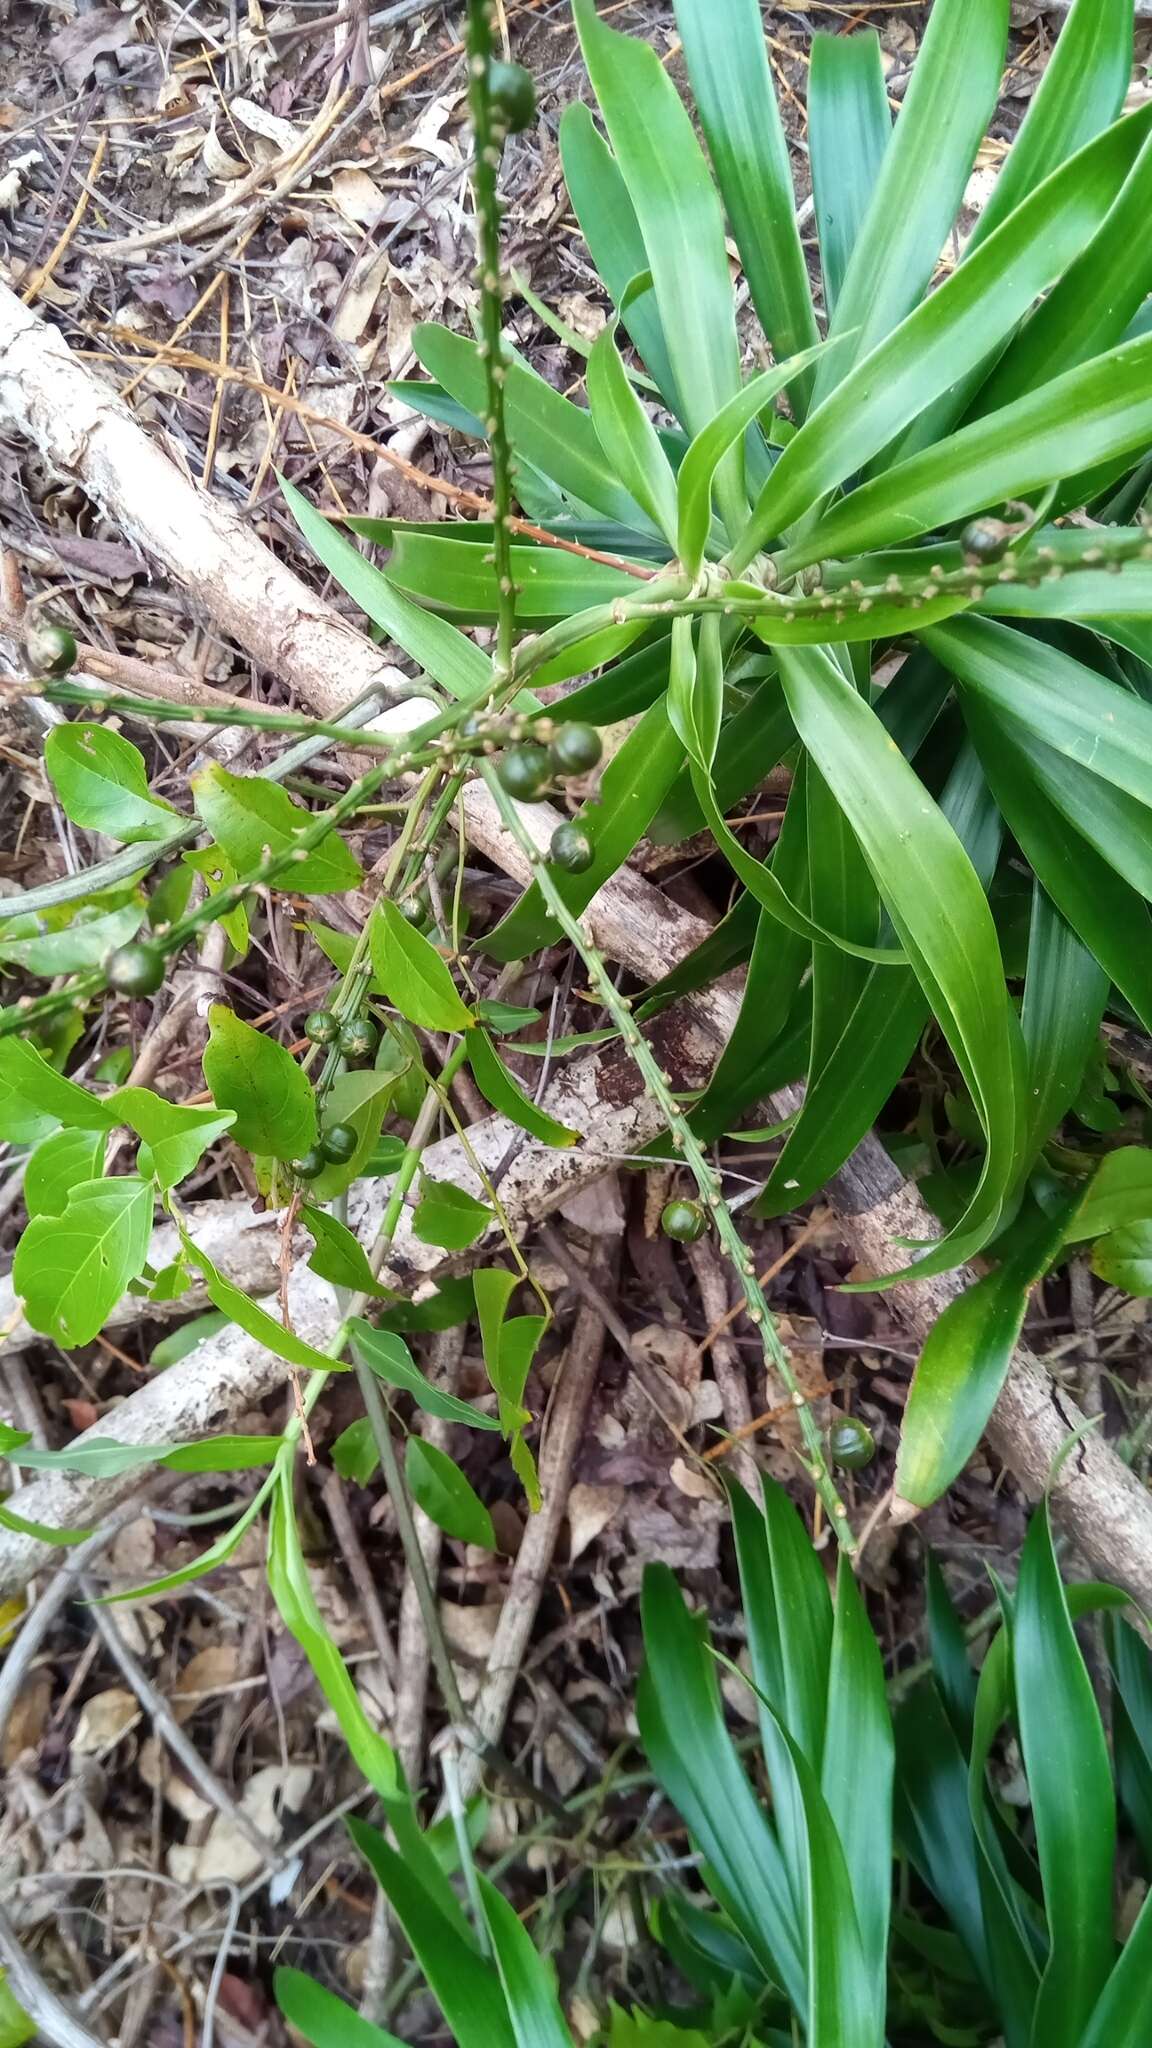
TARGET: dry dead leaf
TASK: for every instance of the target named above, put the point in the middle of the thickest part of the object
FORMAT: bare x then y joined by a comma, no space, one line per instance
159,1775
598,1209
209,1671
27,1718
590,1509
359,301
691,1481
105,1720
426,138
357,196
271,128
567,1770
227,1854
76,46
219,161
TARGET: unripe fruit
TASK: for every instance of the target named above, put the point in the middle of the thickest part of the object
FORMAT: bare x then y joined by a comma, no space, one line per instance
575,748
512,93
49,647
571,849
526,771
135,970
985,540
358,1039
851,1443
684,1221
339,1143
322,1027
311,1166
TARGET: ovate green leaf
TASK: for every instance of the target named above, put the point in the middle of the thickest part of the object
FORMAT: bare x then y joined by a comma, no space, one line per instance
259,1082
72,1269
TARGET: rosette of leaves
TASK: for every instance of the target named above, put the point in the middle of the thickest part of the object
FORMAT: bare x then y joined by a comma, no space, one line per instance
908,561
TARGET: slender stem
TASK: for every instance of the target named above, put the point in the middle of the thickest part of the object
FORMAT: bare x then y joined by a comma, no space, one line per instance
688,1145
489,130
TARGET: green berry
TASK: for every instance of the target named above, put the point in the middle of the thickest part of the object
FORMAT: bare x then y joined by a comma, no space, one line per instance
513,94
322,1027
575,748
851,1443
526,771
571,849
358,1039
135,970
684,1221
49,647
414,911
338,1143
311,1166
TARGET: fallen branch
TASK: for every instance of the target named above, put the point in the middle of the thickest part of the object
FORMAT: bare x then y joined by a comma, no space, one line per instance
83,431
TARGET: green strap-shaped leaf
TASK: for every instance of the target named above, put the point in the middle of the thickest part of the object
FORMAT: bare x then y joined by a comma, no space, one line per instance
856,1777
938,908
458,578
1089,310
1071,708
692,1754
732,84
529,1986
1105,911
948,336
209,1560
680,220
467,1987
1065,991
964,1361
322,2018
1122,2018
932,1819
291,1588
1081,90
548,430
950,98
628,437
449,657
1101,409
609,225
503,1091
71,1270
707,451
1066,1759
257,1082
849,129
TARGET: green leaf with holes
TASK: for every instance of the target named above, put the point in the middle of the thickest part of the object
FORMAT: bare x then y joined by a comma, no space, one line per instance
102,782
251,817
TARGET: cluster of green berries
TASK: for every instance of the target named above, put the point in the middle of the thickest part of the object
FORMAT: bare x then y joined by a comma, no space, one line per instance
356,1037
527,770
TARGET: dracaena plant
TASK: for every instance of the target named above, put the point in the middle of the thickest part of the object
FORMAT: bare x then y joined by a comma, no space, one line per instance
909,561
901,1884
